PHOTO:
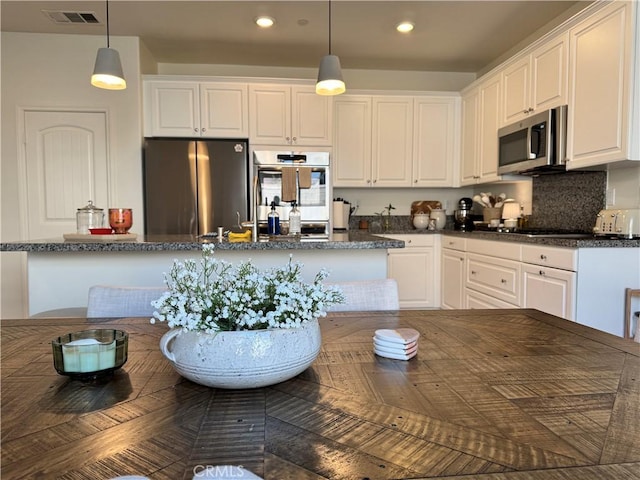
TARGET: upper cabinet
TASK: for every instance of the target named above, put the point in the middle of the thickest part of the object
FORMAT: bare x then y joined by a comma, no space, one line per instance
436,140
481,109
395,141
537,81
289,115
195,109
600,126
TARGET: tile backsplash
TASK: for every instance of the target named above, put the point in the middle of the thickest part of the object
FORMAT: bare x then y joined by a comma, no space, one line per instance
570,200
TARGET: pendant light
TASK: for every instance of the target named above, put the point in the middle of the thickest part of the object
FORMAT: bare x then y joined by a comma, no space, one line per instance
330,80
107,72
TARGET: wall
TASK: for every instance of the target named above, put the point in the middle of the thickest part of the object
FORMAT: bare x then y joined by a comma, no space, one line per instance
53,71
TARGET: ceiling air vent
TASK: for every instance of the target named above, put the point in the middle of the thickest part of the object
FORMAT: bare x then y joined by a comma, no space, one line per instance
60,17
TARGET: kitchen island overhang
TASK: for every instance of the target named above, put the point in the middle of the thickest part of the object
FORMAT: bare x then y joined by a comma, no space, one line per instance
60,272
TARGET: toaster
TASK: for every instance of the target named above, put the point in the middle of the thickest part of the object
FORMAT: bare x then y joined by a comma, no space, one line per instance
619,223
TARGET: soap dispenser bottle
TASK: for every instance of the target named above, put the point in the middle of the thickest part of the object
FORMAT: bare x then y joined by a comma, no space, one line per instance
295,223
273,221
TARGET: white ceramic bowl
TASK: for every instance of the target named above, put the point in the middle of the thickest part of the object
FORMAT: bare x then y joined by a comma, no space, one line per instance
421,221
242,359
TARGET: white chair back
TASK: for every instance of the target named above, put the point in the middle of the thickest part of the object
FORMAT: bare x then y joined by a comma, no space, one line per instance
367,295
111,301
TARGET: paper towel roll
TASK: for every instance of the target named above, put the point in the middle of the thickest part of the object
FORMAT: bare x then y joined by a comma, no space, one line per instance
338,216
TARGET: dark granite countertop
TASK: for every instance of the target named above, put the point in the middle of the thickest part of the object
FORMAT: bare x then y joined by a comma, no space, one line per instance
354,240
590,242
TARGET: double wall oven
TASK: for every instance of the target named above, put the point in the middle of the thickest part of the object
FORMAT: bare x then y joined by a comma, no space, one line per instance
285,177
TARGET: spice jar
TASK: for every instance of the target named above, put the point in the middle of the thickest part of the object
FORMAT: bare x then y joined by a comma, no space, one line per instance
88,217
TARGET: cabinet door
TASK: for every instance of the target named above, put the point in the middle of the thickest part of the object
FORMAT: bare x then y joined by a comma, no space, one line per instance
352,141
549,74
470,131
516,80
599,87
549,290
413,269
392,122
489,115
270,114
174,109
434,141
452,279
311,117
224,110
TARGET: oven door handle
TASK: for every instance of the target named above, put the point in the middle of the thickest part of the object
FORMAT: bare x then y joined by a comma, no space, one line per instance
291,157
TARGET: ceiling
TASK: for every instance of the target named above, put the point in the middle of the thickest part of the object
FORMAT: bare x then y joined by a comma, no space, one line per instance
451,36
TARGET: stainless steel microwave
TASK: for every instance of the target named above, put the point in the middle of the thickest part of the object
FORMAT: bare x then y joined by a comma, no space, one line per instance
535,144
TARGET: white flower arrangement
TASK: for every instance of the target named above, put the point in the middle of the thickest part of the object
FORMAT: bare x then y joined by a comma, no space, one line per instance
211,296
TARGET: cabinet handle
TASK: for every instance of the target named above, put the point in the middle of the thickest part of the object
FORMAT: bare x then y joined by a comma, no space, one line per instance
473,272
295,139
543,257
415,181
368,180
502,280
195,130
204,130
541,272
375,180
408,241
288,139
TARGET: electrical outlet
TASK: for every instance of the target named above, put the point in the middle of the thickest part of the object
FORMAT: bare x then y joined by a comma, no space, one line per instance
611,197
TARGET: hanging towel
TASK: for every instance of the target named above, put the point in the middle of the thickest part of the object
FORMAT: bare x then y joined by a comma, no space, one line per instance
288,184
304,177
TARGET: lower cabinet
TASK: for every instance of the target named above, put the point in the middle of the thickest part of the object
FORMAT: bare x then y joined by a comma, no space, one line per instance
549,280
550,290
416,268
453,270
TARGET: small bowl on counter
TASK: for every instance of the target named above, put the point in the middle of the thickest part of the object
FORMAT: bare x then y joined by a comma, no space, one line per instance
100,231
90,354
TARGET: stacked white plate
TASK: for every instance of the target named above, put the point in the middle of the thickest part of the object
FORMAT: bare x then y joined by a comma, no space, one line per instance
399,344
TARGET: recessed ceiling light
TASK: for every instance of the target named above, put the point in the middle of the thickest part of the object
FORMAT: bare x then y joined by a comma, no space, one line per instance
265,22
405,27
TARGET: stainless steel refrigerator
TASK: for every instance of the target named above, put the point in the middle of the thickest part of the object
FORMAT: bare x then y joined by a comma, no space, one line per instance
194,186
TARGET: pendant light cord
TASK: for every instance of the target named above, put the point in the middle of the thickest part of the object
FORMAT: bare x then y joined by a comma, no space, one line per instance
329,27
107,23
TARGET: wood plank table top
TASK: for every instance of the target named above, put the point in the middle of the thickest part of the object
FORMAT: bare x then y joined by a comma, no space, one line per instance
491,395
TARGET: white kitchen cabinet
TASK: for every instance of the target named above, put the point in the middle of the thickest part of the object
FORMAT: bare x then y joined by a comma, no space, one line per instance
289,115
435,141
481,109
549,290
196,109
453,271
600,125
537,81
391,150
373,141
495,277
395,141
352,141
416,269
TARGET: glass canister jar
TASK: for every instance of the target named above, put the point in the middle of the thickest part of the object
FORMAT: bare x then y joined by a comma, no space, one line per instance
88,217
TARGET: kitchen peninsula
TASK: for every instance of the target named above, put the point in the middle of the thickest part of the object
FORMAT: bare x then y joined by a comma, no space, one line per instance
60,272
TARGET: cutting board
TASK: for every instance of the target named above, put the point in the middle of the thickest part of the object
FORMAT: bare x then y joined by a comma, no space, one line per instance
113,237
424,206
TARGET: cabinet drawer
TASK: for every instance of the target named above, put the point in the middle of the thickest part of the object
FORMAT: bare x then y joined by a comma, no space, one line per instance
563,258
508,250
494,276
477,300
454,243
414,240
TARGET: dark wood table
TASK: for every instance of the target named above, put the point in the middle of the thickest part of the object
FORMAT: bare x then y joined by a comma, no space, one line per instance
492,394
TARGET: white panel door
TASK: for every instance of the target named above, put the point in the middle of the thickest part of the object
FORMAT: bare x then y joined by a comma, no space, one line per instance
66,166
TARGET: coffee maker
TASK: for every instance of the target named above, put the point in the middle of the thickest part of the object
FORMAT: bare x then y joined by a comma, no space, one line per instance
462,216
